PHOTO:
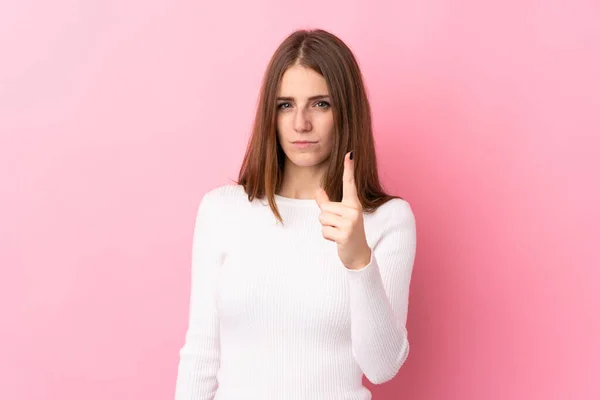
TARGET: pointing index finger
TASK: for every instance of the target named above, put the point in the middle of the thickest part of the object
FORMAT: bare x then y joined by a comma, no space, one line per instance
350,195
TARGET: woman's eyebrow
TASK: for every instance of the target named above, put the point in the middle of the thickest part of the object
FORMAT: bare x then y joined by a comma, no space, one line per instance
317,97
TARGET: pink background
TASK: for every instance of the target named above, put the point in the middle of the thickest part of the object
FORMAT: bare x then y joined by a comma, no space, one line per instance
117,116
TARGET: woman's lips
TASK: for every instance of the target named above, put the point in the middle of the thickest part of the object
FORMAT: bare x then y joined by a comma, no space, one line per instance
302,144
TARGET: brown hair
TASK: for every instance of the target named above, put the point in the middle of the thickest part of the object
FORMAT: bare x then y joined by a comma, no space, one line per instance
261,172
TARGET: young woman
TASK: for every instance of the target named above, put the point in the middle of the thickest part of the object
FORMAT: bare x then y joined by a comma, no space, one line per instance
301,270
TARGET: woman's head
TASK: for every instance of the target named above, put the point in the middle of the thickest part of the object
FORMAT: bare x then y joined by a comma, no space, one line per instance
304,117
310,63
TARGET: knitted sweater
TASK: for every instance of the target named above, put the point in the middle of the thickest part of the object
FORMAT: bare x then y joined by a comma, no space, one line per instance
274,314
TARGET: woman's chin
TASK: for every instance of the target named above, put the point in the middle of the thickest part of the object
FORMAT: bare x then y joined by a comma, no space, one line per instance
307,161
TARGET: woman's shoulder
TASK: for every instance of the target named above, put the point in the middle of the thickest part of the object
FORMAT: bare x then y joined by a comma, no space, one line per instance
227,191
393,212
395,206
223,196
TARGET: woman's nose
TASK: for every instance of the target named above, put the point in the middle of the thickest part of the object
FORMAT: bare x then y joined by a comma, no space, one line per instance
302,122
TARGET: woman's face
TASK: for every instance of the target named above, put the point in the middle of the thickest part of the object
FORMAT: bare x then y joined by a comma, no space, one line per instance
304,114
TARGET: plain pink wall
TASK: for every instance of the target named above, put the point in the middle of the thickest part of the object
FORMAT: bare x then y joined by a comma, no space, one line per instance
117,116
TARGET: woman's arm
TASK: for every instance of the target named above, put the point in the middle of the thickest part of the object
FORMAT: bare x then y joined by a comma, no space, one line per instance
379,298
199,356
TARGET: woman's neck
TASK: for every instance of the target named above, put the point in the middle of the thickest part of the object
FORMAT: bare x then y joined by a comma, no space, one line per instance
301,182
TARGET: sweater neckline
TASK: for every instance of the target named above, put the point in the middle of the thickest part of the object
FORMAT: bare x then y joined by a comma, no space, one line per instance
291,200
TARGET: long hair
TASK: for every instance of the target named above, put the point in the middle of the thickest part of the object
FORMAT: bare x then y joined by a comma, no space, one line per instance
261,172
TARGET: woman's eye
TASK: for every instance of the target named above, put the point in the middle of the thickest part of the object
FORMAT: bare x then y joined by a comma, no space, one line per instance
283,105
323,104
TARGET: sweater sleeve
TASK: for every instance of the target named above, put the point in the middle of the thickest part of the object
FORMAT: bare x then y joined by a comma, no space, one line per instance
199,358
379,298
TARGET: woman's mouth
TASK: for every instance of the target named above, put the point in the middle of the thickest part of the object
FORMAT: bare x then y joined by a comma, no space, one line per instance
302,144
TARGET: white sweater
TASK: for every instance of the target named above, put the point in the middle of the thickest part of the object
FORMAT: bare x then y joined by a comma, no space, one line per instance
274,314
